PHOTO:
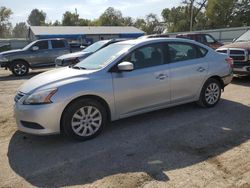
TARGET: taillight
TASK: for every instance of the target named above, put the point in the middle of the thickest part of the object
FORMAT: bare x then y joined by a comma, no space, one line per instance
230,61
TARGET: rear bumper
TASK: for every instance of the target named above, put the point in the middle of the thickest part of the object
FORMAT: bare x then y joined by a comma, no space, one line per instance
242,68
227,79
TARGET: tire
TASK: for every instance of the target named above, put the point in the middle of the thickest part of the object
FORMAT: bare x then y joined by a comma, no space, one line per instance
210,93
77,122
19,68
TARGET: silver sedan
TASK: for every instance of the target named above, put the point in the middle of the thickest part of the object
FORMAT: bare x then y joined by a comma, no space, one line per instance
121,80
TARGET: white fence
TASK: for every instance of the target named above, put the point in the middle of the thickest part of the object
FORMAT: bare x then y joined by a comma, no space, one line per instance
14,43
223,35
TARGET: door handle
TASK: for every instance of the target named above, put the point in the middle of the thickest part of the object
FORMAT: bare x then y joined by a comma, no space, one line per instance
201,69
161,76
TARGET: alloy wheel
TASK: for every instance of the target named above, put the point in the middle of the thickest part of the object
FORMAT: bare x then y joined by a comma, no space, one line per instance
212,93
20,69
86,121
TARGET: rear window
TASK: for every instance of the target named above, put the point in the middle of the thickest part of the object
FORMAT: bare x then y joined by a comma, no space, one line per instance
58,44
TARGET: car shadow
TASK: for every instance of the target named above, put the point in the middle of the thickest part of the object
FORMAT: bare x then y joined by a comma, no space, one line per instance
9,77
243,81
153,143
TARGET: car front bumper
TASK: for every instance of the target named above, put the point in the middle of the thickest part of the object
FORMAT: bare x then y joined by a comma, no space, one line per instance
3,64
38,119
242,68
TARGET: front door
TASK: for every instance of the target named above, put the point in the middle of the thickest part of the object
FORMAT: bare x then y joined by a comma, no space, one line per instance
40,56
145,88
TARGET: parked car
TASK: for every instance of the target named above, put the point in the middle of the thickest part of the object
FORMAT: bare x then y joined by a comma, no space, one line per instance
239,50
38,54
121,80
73,58
202,38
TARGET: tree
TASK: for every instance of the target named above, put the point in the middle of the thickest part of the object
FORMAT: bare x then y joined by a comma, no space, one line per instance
111,17
84,22
128,21
70,19
152,24
179,18
176,18
20,30
220,13
57,23
36,18
140,23
5,25
242,14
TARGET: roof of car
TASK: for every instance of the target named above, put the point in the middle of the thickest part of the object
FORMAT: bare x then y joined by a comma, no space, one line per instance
51,39
148,40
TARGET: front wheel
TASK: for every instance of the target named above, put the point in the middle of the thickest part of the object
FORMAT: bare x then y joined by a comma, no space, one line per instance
210,93
84,119
20,68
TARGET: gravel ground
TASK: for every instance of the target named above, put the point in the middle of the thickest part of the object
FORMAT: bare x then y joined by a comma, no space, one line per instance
184,146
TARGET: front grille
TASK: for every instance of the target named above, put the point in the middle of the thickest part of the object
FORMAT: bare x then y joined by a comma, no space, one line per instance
239,55
18,96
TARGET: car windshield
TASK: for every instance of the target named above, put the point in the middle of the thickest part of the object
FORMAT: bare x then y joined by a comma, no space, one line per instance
94,47
103,56
29,45
244,37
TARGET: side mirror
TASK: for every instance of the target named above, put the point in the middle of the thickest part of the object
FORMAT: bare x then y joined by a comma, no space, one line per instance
125,66
35,48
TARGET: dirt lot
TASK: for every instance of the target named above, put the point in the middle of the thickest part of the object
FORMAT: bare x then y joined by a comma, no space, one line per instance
184,146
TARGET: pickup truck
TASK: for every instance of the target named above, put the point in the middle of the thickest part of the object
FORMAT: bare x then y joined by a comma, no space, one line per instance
202,38
38,54
239,50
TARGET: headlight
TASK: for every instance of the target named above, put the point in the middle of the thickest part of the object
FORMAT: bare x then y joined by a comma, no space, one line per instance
3,59
40,97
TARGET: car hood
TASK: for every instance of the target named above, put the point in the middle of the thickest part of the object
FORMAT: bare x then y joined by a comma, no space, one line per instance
244,45
75,55
54,78
10,52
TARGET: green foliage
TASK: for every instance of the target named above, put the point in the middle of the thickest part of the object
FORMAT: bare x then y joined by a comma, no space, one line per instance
70,19
5,25
220,13
36,18
20,30
111,17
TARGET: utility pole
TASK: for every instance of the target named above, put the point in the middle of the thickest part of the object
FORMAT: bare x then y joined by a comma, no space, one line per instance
191,14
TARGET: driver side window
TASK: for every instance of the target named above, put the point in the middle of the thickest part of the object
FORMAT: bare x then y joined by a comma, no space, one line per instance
42,45
147,56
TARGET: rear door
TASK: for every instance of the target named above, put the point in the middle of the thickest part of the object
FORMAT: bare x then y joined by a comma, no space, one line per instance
147,86
188,69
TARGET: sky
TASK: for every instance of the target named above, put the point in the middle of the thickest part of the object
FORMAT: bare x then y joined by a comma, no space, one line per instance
88,9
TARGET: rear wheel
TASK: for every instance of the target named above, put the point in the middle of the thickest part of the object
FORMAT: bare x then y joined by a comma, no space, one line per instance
20,68
84,119
210,93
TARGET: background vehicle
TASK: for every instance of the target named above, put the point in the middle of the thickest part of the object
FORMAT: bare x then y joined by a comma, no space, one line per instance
202,38
239,50
38,54
121,80
73,58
